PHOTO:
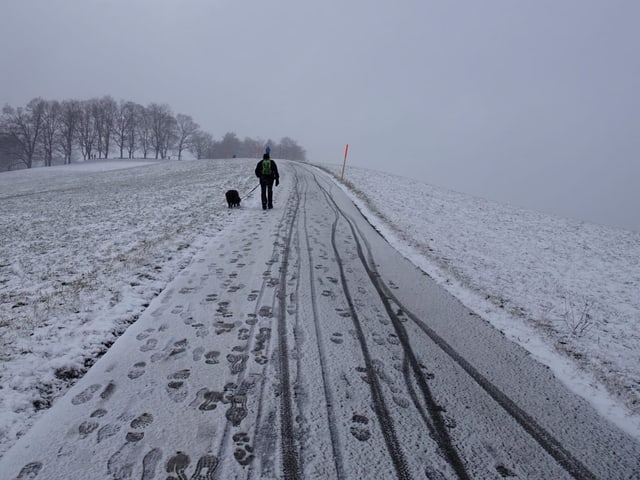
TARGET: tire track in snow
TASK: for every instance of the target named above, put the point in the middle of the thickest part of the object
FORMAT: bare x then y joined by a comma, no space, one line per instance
437,425
290,461
294,309
267,341
382,411
545,439
336,447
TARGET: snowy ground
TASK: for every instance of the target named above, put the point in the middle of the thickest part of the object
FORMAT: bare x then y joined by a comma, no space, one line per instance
86,248
567,291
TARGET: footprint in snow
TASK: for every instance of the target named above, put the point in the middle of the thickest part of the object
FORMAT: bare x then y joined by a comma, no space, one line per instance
137,371
122,463
211,358
359,428
243,334
149,345
29,471
99,413
85,395
401,401
238,409
244,451
108,391
207,400
237,363
87,427
211,297
92,424
149,464
253,296
261,338
197,353
179,348
222,327
107,431
177,309
138,424
204,469
336,337
201,330
176,388
393,339
144,335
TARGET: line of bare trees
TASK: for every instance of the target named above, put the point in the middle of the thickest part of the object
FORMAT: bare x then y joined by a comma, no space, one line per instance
45,132
204,146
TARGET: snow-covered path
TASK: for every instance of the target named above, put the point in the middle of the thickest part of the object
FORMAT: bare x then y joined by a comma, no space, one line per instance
300,345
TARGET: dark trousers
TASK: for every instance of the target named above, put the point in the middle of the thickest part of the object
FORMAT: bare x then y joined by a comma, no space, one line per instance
266,191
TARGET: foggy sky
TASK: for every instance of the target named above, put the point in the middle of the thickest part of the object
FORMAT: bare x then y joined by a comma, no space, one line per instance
531,103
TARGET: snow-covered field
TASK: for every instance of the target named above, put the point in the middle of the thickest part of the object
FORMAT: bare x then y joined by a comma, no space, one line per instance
86,247
84,250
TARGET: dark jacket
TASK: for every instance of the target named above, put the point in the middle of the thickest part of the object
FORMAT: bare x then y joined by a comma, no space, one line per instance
267,178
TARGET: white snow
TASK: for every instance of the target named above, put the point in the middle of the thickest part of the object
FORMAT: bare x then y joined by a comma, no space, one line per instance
86,247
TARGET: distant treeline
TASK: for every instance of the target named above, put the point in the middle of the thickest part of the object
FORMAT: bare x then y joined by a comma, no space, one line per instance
49,132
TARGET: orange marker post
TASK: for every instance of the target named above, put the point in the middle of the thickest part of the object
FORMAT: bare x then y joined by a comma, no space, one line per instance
346,152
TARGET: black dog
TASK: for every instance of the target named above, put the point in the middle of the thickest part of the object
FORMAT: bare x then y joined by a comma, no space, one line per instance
233,198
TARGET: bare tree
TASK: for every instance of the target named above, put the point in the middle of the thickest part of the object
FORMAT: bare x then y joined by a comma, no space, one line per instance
70,115
86,134
50,129
288,148
133,128
201,145
110,113
229,146
98,125
144,129
104,115
124,126
44,127
170,136
186,130
8,150
252,148
24,126
163,128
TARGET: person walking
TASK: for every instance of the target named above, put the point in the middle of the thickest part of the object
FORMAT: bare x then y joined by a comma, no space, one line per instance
267,172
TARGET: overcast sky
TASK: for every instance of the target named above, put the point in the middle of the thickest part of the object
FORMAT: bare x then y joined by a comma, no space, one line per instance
533,103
